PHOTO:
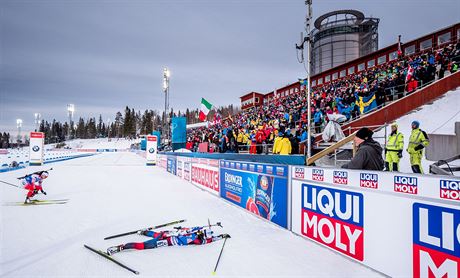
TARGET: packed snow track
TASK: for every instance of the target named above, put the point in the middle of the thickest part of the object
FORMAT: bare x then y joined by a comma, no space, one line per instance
113,193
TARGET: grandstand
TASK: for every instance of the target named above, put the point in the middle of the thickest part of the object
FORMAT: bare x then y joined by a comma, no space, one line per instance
353,89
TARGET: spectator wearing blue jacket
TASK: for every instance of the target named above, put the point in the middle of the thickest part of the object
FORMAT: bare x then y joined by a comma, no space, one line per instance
318,120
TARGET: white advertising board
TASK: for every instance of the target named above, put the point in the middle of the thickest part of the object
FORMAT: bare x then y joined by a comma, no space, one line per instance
205,174
401,225
151,150
36,148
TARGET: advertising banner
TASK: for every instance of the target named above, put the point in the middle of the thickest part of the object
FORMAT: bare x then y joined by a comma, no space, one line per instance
183,167
401,225
162,160
171,164
151,150
260,188
187,169
37,141
180,167
205,174
179,130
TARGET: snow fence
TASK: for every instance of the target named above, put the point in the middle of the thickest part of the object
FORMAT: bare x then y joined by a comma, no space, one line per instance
399,224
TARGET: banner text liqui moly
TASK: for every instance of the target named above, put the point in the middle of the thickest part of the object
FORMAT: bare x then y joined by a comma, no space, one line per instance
436,241
317,174
369,180
449,189
340,177
334,218
405,184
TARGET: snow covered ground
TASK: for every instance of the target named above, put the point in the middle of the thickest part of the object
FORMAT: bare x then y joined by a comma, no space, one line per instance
115,192
102,143
436,118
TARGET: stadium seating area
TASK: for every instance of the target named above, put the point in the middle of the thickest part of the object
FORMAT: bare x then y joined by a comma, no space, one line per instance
255,129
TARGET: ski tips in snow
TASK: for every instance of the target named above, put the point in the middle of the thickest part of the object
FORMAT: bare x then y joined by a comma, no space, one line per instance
110,258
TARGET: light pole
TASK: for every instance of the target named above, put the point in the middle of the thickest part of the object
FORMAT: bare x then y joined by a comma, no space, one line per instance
19,126
38,117
307,40
70,111
166,75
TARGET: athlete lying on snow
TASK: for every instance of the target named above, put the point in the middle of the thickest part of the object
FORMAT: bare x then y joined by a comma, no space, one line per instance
180,236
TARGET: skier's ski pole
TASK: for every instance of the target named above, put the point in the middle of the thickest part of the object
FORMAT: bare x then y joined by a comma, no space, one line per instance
10,184
150,228
35,173
219,224
218,259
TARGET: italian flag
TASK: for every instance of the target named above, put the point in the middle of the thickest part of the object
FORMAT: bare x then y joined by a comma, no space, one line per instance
205,108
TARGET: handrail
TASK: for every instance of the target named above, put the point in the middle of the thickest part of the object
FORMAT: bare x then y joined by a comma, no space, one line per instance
330,149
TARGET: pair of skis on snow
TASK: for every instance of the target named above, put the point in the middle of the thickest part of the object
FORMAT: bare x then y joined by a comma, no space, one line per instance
108,257
39,202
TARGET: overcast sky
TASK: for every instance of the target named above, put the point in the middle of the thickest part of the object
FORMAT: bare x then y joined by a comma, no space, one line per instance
104,55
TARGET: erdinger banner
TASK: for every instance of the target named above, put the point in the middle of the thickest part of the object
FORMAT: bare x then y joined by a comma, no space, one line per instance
151,150
260,188
334,218
205,174
171,164
36,148
436,241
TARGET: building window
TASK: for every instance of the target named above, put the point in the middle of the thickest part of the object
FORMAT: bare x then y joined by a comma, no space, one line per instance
370,63
409,50
361,67
444,38
426,44
257,100
291,91
351,70
296,90
313,83
382,59
320,81
343,73
393,55
335,75
327,78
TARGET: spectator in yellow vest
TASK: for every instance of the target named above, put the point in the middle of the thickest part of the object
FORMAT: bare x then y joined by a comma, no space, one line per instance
394,149
417,142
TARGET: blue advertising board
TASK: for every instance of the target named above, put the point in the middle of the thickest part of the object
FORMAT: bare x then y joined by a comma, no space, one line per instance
171,164
260,188
179,129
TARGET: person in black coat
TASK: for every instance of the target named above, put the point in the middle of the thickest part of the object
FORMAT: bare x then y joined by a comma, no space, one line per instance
369,153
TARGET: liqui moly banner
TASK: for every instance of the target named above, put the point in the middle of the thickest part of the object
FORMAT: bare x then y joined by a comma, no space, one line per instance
401,225
260,188
151,150
436,241
36,149
429,186
205,174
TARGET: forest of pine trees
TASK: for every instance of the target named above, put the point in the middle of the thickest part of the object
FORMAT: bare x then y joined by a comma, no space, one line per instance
129,124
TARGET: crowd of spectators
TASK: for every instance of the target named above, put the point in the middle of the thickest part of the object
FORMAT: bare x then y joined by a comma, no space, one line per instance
256,130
